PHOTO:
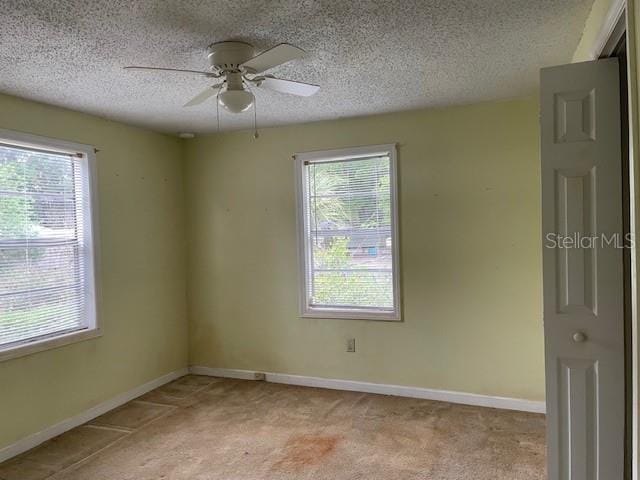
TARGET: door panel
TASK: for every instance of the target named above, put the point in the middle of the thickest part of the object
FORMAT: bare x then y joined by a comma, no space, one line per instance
583,270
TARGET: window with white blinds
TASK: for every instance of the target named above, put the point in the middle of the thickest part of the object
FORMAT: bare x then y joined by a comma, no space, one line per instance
349,240
46,251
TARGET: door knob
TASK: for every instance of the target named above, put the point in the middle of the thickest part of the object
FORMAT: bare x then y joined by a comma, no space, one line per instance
579,337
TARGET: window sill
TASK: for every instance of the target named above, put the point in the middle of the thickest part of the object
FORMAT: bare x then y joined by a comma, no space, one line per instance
48,344
352,315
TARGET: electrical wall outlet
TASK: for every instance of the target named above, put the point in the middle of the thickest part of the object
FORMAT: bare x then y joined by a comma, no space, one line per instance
351,345
259,376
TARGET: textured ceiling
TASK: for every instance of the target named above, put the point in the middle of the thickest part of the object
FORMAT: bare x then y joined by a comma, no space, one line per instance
368,56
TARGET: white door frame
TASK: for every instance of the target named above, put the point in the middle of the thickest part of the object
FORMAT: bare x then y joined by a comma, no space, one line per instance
611,31
619,22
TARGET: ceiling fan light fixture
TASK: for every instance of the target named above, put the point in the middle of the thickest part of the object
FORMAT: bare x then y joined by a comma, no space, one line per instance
236,66
236,101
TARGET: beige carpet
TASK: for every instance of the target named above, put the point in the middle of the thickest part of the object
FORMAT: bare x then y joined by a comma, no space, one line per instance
203,428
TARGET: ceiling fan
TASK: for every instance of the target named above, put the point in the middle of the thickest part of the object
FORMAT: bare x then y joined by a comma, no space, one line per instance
238,67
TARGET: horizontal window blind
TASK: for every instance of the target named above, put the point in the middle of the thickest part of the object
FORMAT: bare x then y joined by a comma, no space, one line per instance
42,246
349,235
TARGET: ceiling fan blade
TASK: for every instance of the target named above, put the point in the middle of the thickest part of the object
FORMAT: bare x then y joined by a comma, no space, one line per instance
289,86
178,70
273,57
204,95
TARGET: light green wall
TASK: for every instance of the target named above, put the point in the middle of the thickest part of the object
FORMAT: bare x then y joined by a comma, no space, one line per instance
469,208
141,208
470,253
592,28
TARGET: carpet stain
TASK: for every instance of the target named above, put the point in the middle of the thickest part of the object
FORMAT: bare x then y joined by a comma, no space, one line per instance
306,450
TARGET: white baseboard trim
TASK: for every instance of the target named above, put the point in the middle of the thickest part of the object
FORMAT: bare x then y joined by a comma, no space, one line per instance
37,438
505,403
227,373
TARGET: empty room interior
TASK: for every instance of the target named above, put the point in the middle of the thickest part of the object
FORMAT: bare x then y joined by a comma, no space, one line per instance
319,240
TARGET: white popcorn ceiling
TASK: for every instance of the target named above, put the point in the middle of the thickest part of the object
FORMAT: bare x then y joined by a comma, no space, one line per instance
368,56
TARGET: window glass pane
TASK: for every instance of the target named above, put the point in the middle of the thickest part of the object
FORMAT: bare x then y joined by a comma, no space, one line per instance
42,281
349,235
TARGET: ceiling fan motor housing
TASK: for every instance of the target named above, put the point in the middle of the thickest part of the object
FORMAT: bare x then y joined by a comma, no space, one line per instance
228,56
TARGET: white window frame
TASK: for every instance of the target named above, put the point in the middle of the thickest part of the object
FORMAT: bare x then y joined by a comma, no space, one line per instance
306,309
86,158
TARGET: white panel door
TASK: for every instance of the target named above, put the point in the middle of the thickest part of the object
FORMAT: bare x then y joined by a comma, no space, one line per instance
582,272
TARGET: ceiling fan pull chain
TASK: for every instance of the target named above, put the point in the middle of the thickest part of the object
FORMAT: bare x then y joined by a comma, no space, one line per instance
218,111
255,118
247,81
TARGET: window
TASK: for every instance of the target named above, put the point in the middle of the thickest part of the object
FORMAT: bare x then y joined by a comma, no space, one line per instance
47,285
349,233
